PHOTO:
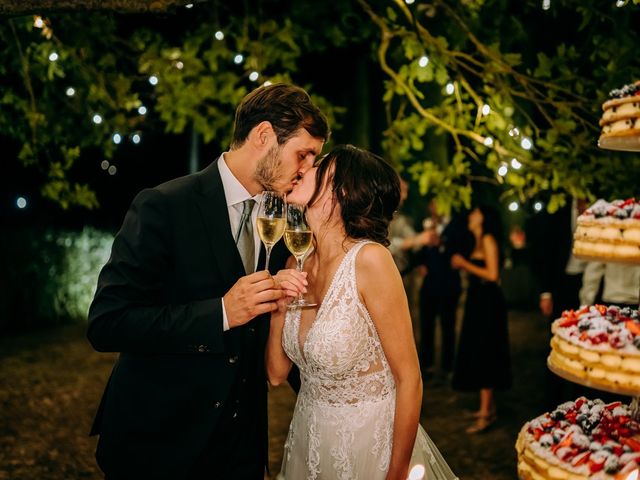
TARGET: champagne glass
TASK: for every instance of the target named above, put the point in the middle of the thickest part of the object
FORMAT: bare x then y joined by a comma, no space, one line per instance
297,238
271,220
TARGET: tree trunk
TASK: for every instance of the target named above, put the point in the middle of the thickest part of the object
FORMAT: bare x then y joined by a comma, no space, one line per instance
27,7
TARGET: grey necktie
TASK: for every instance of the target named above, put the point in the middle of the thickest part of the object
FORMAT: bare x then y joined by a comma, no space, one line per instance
244,236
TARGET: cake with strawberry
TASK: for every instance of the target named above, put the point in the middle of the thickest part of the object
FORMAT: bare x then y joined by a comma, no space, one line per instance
578,440
609,231
598,346
621,117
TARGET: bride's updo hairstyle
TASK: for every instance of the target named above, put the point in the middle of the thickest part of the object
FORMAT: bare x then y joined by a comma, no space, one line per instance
365,186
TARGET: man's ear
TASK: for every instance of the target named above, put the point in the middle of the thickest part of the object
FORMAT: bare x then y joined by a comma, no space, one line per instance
262,135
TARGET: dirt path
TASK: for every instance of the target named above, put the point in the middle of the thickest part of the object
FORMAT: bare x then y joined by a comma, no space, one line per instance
51,381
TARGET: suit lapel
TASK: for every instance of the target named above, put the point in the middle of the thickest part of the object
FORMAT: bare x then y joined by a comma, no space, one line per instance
215,216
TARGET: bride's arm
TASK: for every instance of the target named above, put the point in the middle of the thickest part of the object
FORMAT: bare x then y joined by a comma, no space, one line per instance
278,365
381,288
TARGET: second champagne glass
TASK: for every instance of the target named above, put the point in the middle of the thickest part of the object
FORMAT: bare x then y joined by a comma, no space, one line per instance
271,220
297,238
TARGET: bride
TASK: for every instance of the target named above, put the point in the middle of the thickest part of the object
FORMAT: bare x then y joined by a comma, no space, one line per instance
358,409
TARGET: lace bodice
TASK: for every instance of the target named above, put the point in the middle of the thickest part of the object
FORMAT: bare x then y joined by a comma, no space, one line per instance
340,357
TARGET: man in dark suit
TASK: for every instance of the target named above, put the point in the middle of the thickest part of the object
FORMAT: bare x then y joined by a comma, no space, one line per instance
180,301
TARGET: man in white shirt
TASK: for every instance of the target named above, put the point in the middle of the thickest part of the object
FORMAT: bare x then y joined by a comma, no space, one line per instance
185,300
621,284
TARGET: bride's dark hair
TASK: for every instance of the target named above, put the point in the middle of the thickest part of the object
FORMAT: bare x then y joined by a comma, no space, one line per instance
365,186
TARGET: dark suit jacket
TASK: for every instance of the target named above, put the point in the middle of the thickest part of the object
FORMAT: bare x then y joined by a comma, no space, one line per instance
158,303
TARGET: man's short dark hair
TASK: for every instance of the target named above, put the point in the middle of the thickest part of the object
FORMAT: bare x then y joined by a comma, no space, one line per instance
286,107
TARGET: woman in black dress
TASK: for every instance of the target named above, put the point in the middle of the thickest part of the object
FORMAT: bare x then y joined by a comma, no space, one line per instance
483,360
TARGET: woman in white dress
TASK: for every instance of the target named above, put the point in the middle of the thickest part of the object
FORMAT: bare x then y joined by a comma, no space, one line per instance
358,409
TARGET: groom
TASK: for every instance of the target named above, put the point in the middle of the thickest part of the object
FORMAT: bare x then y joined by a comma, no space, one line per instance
180,301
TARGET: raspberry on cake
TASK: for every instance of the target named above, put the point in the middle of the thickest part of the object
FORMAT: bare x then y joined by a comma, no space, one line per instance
609,231
620,120
580,440
599,346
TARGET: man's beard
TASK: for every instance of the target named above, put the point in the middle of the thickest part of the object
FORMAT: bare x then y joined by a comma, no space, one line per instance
268,169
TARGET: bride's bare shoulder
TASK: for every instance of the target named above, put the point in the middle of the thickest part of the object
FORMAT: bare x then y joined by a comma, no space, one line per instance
375,258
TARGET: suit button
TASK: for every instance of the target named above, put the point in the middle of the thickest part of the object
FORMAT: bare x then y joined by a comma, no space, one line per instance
217,405
233,359
202,348
252,330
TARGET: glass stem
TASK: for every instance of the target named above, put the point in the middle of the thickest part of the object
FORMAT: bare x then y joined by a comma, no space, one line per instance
300,264
266,263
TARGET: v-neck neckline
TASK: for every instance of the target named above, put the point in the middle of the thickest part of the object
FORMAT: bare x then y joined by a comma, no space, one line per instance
302,343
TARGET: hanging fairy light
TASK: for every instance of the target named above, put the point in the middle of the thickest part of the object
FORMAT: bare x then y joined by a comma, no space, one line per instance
253,76
526,143
537,206
189,5
112,170
488,142
516,164
621,3
450,88
21,203
179,65
104,164
97,119
486,110
424,61
38,22
142,110
513,206
219,35
238,59
546,4
116,138
136,138
409,2
70,92
503,170
53,57
153,80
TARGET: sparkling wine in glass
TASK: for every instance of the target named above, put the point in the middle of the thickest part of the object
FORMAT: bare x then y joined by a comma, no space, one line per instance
297,238
271,220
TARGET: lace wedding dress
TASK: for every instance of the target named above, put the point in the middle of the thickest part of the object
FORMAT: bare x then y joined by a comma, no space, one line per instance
342,426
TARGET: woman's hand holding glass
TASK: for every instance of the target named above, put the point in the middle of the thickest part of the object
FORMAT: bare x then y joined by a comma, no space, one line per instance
298,238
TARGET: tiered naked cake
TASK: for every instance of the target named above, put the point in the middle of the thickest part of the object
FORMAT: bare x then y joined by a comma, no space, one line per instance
580,440
620,120
598,346
609,231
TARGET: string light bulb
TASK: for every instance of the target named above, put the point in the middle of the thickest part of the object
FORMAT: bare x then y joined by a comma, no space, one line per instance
516,164
21,203
486,110
38,22
537,206
488,142
238,59
112,170
513,206
136,138
70,92
116,138
97,119
503,170
53,57
142,110
526,143
253,76
450,88
104,164
219,35
153,80
424,61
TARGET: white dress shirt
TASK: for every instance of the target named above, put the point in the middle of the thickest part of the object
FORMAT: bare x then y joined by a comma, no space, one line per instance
235,194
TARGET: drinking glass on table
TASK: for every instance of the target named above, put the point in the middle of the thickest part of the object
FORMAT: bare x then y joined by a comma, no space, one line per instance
297,238
271,220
